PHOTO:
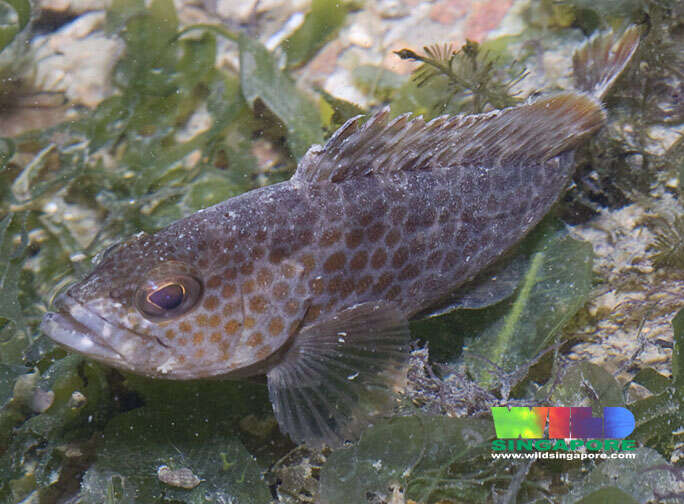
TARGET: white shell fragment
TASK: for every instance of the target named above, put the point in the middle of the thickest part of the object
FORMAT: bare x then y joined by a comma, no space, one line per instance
181,478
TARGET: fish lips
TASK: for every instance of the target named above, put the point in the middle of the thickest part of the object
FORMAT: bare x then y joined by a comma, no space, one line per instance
81,330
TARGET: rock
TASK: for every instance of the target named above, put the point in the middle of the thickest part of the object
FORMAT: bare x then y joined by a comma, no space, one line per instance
78,60
236,11
73,6
484,16
449,11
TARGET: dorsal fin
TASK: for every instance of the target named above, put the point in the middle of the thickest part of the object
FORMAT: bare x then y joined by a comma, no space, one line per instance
535,131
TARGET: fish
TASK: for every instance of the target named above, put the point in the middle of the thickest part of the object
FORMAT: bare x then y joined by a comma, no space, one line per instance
312,282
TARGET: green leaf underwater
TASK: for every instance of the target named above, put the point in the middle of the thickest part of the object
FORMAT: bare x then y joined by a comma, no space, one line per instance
276,197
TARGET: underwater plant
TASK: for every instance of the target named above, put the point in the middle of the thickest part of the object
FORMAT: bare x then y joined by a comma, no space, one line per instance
473,77
182,132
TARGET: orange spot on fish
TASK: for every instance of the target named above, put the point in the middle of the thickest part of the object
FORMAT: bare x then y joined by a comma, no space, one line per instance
228,291
354,237
230,308
214,320
276,256
383,282
410,271
256,253
312,313
376,231
346,287
334,284
280,290
185,327
197,338
211,303
393,293
309,263
257,304
317,285
231,327
400,257
260,235
230,274
255,340
264,277
264,352
359,260
378,259
247,269
248,287
214,282
392,237
329,237
335,262
363,284
276,326
288,270
291,307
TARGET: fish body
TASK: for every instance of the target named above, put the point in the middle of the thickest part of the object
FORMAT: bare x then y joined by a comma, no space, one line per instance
312,281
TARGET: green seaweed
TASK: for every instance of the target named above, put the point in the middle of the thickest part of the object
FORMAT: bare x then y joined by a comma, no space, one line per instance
52,417
70,429
657,414
340,110
474,80
378,81
584,383
429,458
261,78
12,257
14,16
646,478
320,24
138,442
555,286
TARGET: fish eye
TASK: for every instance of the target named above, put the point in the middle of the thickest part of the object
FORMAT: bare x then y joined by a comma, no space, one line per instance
159,300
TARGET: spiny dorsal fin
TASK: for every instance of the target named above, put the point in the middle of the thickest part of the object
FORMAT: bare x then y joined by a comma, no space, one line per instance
534,131
601,60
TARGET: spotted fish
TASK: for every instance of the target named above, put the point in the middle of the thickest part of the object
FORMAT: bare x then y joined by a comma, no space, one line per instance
312,281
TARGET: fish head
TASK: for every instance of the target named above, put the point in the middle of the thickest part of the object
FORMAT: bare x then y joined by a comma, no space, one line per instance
151,308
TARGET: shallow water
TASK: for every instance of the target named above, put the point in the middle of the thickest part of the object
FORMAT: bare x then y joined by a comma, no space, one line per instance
112,124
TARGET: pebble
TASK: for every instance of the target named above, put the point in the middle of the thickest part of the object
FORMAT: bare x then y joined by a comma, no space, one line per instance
78,60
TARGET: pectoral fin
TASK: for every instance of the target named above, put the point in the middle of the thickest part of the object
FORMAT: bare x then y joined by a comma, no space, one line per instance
340,373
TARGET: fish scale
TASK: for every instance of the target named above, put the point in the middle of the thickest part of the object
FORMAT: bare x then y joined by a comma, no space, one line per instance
312,281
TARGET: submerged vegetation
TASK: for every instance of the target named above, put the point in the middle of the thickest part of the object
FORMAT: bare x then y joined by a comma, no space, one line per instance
471,74
180,133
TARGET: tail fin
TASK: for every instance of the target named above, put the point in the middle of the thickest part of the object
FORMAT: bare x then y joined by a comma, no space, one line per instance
601,60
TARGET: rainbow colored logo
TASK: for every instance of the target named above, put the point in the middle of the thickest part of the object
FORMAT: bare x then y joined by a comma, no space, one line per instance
530,423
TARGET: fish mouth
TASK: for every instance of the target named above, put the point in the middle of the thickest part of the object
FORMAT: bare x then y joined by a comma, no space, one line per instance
81,330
